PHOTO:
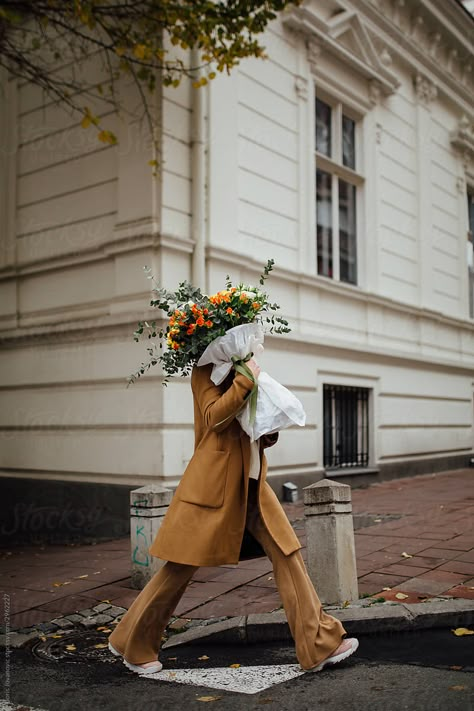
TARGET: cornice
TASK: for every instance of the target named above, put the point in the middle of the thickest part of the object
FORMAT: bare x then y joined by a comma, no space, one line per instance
124,241
431,37
427,40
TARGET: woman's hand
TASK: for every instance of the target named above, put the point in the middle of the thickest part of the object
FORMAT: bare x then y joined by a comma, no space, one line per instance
254,367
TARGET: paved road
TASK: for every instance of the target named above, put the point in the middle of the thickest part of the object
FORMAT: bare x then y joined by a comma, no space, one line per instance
389,672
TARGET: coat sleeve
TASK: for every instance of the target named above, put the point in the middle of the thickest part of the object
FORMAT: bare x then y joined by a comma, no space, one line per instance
218,409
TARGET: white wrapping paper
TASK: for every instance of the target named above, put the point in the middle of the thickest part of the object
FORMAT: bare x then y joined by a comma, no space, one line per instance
277,407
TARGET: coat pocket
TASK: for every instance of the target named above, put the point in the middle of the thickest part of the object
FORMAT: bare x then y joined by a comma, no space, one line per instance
204,479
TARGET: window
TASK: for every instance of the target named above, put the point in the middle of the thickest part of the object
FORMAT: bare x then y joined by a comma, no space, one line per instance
346,426
337,183
470,251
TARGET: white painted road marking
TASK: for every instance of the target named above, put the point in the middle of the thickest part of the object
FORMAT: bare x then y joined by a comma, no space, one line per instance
244,680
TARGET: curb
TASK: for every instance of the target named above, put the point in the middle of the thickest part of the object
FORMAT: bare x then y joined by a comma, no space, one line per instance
380,618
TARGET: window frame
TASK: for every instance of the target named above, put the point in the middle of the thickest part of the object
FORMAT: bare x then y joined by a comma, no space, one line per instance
338,171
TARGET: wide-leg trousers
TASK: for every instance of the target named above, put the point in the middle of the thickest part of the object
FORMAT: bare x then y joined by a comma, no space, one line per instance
316,633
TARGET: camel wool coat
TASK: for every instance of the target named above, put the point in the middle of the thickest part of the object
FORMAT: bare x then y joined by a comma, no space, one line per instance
205,521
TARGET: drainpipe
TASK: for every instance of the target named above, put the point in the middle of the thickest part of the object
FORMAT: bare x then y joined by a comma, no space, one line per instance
198,179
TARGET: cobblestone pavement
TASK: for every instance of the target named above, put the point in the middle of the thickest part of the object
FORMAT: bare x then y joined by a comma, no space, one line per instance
414,541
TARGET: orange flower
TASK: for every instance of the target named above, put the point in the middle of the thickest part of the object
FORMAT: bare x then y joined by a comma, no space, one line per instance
256,305
175,346
209,324
200,321
205,312
191,329
229,311
243,298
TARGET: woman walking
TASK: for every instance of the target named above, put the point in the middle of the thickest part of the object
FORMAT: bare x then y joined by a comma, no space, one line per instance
222,494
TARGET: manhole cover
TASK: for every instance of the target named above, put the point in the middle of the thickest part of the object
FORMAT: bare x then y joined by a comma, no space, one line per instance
74,646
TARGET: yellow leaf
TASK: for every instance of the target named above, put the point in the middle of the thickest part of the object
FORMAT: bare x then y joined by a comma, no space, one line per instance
457,687
204,657
56,636
212,75
82,576
86,122
401,596
42,638
100,646
406,555
119,51
209,698
71,647
152,162
139,51
346,603
234,666
461,631
107,137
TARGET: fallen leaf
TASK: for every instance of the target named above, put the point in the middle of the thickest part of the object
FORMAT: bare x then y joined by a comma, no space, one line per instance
401,596
204,657
455,667
209,698
377,520
71,647
102,629
67,582
461,631
96,572
386,588
406,555
56,636
42,638
172,659
346,603
82,576
270,578
57,585
115,622
100,646
104,600
234,666
457,687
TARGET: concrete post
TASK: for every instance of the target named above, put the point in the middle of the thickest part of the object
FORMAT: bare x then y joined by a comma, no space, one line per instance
148,506
330,541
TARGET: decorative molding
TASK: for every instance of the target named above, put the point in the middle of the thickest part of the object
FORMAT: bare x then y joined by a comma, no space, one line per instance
425,90
462,139
121,244
301,87
345,36
314,49
460,185
375,92
378,133
434,40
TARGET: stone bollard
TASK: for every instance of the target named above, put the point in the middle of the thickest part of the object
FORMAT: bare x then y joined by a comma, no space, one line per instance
148,506
330,541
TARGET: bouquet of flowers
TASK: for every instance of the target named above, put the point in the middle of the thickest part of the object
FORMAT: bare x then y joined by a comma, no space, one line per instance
225,329
195,320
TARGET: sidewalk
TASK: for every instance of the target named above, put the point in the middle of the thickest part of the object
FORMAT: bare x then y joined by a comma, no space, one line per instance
414,543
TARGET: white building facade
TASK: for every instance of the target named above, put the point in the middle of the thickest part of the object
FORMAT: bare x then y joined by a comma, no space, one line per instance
348,157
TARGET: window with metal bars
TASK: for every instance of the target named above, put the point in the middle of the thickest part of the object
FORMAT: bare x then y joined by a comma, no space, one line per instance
346,426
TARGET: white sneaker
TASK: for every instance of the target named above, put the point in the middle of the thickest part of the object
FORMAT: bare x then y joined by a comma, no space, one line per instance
151,668
142,670
346,648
